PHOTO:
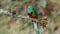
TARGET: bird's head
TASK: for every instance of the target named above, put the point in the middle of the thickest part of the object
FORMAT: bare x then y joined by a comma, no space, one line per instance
30,9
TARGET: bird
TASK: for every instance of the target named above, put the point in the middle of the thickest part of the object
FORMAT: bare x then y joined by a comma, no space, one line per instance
32,13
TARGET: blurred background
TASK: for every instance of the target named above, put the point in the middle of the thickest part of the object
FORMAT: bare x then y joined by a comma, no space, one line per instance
11,24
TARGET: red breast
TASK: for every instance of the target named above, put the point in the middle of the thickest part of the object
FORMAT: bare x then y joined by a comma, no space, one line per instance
30,15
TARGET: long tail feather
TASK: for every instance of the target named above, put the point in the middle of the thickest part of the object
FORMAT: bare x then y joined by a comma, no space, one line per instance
37,28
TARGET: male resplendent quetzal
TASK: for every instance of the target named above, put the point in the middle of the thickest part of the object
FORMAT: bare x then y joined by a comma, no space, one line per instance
33,14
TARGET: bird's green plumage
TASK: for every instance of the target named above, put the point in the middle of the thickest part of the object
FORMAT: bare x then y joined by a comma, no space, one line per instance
31,10
34,13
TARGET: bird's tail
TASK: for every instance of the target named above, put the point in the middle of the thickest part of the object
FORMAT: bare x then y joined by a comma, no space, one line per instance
37,28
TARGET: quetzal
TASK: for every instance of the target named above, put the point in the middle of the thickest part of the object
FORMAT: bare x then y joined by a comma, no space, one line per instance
33,14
